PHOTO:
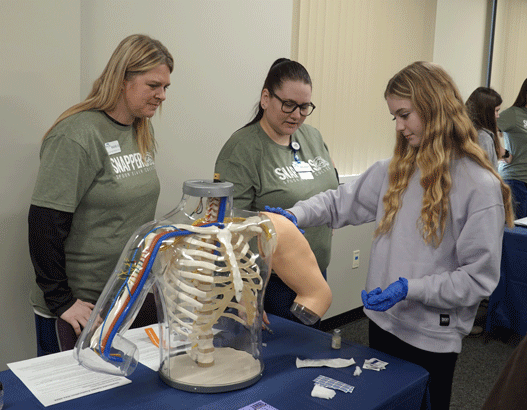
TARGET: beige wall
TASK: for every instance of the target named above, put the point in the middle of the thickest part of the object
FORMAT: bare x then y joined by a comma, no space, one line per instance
39,78
351,49
461,41
510,59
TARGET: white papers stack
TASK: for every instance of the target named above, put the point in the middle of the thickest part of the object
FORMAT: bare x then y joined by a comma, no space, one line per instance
59,377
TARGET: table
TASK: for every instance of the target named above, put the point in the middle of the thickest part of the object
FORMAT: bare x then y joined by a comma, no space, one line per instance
508,303
401,386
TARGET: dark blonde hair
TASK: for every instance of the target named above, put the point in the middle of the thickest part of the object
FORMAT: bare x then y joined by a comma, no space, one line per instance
134,55
448,132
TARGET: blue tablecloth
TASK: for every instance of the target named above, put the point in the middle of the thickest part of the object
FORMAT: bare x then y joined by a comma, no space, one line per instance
508,303
401,386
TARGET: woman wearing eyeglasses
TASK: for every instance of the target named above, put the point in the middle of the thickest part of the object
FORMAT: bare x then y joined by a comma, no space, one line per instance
277,160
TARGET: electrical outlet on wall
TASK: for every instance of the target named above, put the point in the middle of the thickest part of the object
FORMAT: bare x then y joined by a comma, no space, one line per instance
356,259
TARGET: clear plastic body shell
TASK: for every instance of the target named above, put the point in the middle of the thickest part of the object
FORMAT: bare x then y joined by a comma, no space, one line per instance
208,266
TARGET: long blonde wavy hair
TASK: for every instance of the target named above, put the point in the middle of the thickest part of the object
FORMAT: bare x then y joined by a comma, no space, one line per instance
448,133
134,55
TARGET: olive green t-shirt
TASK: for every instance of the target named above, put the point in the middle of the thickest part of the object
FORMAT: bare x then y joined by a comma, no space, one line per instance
90,166
513,123
263,173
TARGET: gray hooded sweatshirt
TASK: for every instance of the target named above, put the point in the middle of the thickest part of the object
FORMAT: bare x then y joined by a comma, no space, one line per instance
445,283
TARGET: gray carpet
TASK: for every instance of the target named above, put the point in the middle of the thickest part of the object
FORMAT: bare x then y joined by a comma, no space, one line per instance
477,368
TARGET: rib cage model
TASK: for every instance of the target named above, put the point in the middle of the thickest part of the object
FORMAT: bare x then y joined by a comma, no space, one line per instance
208,267
209,276
203,272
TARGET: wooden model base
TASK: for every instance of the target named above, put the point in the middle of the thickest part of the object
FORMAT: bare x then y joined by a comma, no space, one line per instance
233,369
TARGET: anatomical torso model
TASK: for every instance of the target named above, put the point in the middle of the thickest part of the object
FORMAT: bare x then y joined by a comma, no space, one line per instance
207,265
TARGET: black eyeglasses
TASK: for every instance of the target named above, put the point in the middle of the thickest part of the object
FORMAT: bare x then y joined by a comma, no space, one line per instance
289,106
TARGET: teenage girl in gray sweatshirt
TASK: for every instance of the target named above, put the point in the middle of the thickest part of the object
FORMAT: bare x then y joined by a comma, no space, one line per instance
440,209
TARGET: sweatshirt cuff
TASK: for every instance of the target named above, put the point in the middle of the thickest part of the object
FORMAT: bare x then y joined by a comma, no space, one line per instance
416,290
298,212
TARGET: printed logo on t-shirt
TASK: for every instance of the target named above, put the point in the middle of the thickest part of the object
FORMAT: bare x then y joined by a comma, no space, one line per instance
129,165
319,164
444,320
288,174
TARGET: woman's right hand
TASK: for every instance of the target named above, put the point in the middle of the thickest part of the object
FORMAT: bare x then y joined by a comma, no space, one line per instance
77,315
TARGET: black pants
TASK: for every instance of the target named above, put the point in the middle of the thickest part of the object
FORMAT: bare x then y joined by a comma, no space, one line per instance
440,365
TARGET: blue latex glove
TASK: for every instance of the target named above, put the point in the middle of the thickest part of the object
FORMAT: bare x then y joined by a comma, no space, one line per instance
288,215
384,300
374,292
365,295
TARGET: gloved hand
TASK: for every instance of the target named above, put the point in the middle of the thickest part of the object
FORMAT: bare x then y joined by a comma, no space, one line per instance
382,301
288,215
374,292
366,295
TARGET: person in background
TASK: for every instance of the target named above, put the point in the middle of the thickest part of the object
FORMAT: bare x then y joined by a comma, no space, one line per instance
483,108
276,160
513,124
437,245
509,390
96,184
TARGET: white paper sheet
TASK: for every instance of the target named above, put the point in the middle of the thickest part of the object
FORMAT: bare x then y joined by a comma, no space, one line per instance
59,377
521,222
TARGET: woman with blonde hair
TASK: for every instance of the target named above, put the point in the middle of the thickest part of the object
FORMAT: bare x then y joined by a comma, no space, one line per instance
440,211
96,184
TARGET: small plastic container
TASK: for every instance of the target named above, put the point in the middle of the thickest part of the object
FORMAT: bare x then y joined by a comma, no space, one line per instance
336,339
